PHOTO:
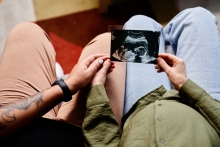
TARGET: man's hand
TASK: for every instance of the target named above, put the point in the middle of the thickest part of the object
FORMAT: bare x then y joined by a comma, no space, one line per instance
100,76
83,72
174,67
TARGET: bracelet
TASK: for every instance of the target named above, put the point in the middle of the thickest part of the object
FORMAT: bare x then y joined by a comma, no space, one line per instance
66,91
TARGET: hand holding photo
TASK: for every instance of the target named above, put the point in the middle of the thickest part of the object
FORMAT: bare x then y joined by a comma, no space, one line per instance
134,46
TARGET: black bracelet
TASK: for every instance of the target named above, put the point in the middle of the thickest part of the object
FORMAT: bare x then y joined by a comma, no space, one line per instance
66,91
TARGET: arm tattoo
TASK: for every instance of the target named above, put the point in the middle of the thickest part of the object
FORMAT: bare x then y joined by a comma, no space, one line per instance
9,114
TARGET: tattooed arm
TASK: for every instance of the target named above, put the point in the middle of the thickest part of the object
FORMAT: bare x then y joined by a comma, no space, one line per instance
22,112
17,115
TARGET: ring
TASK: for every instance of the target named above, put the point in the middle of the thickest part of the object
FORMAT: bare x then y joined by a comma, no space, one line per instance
101,61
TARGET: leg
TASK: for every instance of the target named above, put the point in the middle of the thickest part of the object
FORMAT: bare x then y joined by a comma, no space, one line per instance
74,111
143,78
194,37
27,65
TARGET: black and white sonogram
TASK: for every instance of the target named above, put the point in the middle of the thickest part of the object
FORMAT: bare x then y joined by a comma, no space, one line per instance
134,46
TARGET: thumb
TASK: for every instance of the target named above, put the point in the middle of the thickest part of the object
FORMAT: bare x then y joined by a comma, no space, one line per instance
106,66
95,65
162,63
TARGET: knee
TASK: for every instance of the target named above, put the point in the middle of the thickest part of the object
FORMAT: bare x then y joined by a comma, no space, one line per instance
199,11
26,26
141,22
26,29
139,19
100,44
200,15
104,37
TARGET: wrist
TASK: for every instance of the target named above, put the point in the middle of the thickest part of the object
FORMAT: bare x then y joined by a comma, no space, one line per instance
181,83
71,85
66,91
96,83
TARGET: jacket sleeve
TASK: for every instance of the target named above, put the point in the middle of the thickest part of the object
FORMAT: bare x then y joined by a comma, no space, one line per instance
199,99
100,127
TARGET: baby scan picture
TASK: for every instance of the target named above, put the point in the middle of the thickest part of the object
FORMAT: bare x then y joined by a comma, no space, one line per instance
138,46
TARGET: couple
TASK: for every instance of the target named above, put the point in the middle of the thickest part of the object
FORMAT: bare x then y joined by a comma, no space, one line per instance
153,114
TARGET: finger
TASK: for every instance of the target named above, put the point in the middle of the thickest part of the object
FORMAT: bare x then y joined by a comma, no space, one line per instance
101,61
99,55
168,57
105,57
106,66
91,58
163,65
95,65
111,68
109,71
157,66
159,69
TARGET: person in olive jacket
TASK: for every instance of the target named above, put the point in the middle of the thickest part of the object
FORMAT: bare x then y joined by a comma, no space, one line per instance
154,113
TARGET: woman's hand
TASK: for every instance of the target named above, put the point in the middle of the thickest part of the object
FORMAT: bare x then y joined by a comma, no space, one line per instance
174,67
100,76
83,72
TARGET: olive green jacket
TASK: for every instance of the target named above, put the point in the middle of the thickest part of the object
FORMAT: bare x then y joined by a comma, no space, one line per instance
189,117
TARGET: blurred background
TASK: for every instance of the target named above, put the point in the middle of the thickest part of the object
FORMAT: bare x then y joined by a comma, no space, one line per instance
71,24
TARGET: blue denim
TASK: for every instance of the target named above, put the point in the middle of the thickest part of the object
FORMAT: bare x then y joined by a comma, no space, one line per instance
194,37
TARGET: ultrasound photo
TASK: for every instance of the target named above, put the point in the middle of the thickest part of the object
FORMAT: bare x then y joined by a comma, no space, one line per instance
134,46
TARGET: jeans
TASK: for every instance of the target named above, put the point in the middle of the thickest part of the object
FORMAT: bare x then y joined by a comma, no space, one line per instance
194,37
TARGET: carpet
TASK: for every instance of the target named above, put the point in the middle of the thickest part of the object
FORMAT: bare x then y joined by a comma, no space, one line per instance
70,33
71,24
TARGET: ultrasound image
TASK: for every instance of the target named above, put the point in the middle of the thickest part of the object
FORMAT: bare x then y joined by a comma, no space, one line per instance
134,46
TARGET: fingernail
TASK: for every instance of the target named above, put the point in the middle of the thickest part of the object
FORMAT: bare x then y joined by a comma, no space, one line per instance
101,61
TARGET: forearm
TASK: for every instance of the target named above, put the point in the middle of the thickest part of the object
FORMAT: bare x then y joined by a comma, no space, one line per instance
199,99
100,127
17,115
